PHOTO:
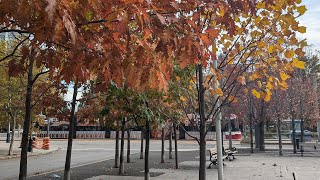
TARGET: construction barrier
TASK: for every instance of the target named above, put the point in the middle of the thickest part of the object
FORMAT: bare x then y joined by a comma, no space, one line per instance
46,143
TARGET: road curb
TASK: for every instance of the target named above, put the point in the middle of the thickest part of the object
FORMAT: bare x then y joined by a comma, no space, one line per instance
33,154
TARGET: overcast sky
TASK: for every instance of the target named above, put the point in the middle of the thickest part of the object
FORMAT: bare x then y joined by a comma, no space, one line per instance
311,19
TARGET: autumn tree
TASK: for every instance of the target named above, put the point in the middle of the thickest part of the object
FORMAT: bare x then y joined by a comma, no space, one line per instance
260,40
138,41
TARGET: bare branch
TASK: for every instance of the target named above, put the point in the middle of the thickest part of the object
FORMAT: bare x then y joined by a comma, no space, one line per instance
39,74
14,50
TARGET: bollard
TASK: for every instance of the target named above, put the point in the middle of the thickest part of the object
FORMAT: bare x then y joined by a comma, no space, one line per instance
8,138
30,149
297,143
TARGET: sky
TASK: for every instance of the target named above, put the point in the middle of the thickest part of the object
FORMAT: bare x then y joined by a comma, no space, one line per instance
311,19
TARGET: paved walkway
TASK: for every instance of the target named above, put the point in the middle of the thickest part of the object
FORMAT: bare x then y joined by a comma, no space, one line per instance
260,166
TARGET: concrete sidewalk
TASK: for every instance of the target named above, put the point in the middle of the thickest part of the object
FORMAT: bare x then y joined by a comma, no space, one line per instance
260,166
266,165
4,149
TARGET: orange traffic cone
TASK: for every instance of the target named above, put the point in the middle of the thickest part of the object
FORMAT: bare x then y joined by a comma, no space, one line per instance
46,144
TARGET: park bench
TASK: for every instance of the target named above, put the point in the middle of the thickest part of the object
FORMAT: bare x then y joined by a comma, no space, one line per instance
214,157
230,153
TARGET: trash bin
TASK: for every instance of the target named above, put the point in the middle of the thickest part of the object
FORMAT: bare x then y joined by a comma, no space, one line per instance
297,143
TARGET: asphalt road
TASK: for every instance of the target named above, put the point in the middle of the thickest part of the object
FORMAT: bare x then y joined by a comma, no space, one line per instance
84,152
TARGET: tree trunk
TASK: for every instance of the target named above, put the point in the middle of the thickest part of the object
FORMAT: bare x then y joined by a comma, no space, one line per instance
302,135
12,138
75,128
261,126
146,151
48,129
278,106
294,136
202,168
175,145
8,131
267,124
162,145
116,158
293,116
128,146
279,134
26,124
251,134
141,146
251,122
170,143
121,169
19,130
67,172
257,135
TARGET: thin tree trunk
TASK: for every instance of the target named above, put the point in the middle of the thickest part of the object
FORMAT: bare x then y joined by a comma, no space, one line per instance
141,146
257,134
75,128
146,160
302,135
202,168
19,130
12,138
26,124
128,146
121,169
261,126
67,172
8,131
170,143
162,144
175,145
293,116
279,134
251,134
116,159
48,129
294,136
278,104
251,123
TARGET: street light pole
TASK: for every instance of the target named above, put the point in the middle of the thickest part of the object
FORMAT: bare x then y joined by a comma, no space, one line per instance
230,134
218,132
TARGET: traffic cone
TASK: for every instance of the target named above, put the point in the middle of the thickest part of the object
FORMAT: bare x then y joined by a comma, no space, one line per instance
46,144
